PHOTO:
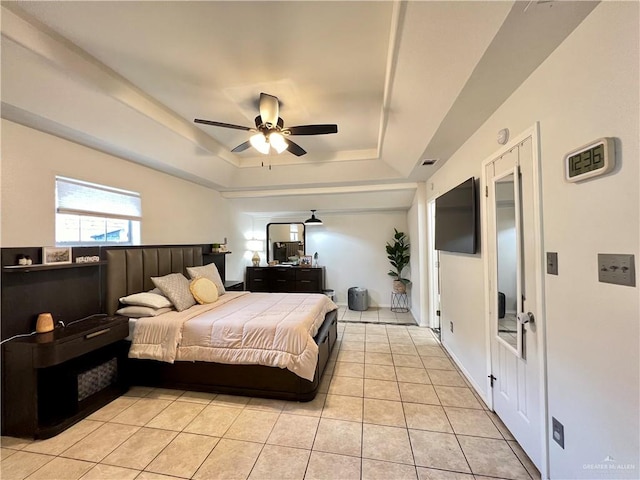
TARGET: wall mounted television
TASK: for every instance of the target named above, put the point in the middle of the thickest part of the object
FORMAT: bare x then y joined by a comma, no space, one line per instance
456,219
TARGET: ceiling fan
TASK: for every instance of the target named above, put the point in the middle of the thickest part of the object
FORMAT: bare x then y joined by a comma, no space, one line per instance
270,130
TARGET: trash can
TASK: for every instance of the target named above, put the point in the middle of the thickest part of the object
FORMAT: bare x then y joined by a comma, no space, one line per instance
330,294
358,299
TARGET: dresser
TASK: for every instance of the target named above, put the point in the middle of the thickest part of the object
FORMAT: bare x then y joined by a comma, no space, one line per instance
285,279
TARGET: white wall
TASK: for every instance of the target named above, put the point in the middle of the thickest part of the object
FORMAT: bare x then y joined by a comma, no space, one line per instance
174,211
351,247
588,88
416,230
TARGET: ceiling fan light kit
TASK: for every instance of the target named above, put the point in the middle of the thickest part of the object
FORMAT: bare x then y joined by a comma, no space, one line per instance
259,142
270,131
276,140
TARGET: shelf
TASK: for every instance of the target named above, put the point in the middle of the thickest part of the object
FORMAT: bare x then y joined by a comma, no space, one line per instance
53,266
211,254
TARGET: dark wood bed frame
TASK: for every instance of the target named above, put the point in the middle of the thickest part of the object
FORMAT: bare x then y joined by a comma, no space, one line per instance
129,270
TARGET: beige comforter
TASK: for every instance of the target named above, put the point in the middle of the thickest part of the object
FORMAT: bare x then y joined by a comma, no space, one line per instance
274,329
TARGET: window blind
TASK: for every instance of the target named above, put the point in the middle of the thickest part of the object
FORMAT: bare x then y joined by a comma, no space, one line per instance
83,198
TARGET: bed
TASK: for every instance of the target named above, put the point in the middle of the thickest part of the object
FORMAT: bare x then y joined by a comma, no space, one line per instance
129,271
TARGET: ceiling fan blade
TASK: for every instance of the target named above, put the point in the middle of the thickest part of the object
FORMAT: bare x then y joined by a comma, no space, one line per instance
269,108
220,124
294,148
313,129
242,147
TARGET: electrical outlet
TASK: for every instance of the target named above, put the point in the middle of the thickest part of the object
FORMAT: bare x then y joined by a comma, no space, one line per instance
616,268
451,326
557,431
552,263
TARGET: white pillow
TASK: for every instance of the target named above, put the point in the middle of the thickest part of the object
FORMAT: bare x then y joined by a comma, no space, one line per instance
176,287
136,311
208,271
146,299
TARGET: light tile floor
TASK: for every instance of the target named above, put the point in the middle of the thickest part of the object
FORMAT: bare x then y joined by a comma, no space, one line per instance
376,315
392,406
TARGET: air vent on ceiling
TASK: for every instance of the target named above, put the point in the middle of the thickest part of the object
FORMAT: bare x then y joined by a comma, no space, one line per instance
429,161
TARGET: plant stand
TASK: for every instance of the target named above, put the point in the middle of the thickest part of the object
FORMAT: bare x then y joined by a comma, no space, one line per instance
399,302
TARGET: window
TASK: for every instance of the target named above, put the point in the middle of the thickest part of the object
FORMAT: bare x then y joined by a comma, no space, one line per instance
91,214
293,232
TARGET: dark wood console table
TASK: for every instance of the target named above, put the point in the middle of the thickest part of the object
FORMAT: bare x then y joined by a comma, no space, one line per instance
285,279
52,380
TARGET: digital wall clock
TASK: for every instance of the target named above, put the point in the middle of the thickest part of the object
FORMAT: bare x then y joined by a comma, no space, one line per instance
591,160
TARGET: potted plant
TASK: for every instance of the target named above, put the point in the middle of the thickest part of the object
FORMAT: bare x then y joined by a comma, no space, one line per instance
398,255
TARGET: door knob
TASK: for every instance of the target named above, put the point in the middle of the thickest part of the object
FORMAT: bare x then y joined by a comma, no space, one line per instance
525,318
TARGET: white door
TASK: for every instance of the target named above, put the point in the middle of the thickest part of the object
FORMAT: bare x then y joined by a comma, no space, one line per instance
513,267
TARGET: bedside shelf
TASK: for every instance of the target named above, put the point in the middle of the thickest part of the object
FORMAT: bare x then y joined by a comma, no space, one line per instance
55,379
53,266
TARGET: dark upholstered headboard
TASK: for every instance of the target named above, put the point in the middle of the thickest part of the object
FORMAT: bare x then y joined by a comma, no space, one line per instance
129,270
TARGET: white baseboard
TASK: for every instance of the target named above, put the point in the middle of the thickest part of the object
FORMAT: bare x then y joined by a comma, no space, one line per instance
466,374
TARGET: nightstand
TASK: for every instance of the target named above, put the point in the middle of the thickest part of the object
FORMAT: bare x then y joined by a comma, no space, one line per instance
52,380
234,285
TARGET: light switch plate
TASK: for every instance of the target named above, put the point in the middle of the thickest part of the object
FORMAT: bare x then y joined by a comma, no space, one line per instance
557,430
552,263
617,268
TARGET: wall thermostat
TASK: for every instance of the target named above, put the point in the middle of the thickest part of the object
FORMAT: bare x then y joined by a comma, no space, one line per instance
591,160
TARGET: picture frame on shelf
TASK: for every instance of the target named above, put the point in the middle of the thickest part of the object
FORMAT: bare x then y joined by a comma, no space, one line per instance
56,255
306,261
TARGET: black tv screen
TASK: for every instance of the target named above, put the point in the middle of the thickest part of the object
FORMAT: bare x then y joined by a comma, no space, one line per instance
455,226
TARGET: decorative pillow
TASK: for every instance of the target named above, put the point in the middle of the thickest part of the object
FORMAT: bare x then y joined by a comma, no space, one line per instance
136,311
204,290
146,299
208,271
175,287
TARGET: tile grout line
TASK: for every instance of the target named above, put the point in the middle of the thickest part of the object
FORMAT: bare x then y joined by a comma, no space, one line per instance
174,438
247,407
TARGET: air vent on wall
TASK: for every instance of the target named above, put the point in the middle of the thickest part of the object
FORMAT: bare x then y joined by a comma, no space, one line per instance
429,161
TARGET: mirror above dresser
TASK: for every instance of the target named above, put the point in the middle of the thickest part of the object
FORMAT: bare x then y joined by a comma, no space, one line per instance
285,242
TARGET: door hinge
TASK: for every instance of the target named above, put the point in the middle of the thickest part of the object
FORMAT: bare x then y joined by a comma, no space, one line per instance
486,191
493,379
437,313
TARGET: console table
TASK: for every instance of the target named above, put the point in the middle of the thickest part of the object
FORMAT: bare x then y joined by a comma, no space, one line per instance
52,380
285,279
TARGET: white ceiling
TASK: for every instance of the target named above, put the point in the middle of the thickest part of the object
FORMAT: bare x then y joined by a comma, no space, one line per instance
403,80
